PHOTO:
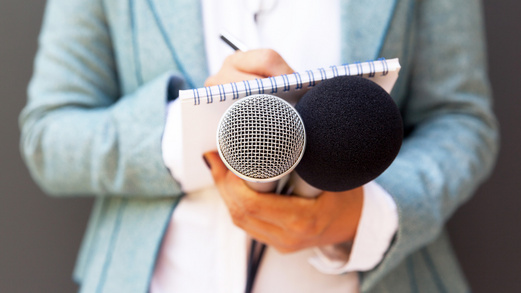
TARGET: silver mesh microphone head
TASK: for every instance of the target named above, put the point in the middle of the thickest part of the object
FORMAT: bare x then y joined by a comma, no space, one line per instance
261,138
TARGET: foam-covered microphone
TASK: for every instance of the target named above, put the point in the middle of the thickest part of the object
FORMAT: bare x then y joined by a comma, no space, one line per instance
354,131
261,138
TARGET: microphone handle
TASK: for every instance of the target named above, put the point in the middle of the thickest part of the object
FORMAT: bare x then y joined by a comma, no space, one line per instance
262,186
298,186
255,259
289,184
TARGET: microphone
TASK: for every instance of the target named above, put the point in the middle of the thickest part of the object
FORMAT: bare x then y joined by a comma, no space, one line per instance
354,131
261,138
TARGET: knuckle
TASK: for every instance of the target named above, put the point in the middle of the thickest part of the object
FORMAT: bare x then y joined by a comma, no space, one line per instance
233,60
250,206
238,216
210,81
269,57
230,59
286,249
307,226
282,250
290,244
238,222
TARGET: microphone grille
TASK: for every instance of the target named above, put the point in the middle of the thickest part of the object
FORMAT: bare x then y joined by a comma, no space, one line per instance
261,137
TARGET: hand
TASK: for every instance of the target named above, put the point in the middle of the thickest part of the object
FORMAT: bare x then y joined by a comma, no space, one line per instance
288,223
250,65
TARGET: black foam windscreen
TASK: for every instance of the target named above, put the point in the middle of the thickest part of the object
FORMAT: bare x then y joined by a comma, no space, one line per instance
354,131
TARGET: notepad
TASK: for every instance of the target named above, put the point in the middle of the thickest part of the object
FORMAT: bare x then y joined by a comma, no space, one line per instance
201,109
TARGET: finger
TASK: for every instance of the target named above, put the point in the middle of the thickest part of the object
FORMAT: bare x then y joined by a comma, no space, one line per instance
216,166
288,212
225,180
263,62
274,236
345,210
250,65
232,189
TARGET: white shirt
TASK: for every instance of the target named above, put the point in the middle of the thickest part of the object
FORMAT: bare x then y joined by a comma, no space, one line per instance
202,250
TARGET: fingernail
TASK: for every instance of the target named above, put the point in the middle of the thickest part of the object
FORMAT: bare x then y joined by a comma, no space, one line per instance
206,162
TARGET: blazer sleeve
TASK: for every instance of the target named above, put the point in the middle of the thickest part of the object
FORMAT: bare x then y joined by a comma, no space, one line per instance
79,135
453,140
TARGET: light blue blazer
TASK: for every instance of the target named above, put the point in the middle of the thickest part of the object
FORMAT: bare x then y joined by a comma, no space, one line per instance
96,111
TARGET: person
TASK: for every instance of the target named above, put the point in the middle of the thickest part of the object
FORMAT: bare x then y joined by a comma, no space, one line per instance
95,119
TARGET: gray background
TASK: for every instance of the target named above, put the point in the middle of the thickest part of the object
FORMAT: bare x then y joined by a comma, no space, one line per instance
39,235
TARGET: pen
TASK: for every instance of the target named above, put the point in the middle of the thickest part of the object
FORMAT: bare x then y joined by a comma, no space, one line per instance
232,42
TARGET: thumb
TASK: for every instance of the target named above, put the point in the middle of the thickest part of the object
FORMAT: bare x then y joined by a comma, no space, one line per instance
216,166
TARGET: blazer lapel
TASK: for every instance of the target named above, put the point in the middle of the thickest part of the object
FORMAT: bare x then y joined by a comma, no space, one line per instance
181,25
364,28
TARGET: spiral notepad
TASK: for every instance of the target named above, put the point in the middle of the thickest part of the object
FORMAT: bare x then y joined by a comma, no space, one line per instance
200,109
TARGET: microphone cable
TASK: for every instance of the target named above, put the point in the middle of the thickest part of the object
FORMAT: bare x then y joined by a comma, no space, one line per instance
255,258
254,261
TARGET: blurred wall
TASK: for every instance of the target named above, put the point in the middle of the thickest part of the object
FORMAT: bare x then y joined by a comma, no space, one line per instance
486,231
39,235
